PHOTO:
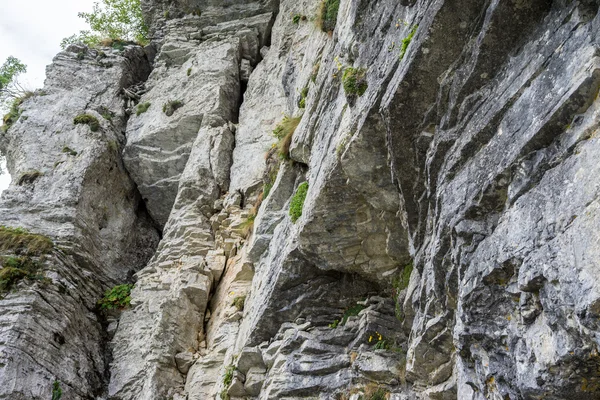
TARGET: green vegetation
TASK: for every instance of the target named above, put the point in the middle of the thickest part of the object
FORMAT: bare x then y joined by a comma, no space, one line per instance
189,71
297,18
69,151
334,324
401,281
20,241
87,119
142,108
171,106
29,177
9,73
106,113
406,41
354,81
377,394
285,132
56,391
117,20
303,95
227,379
352,312
118,297
13,115
239,302
297,202
15,269
327,17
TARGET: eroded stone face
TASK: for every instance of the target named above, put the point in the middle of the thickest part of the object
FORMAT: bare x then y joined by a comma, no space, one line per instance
447,243
72,187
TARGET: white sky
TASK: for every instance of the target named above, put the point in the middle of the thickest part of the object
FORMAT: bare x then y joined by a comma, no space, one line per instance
31,30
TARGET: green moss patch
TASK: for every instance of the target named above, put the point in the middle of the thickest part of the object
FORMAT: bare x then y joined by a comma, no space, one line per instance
297,203
239,302
87,119
170,107
142,108
354,81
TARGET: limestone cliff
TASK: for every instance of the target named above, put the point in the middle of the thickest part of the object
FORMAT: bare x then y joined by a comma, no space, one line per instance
363,199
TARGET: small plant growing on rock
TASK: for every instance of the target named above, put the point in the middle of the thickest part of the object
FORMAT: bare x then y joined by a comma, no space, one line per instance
227,379
28,177
352,312
20,241
15,269
87,119
297,18
406,41
14,112
401,281
354,81
142,108
327,17
239,302
56,391
297,203
303,95
189,71
118,297
69,151
285,132
171,106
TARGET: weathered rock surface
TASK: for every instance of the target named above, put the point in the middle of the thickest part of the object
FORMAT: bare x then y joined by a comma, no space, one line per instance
447,246
70,185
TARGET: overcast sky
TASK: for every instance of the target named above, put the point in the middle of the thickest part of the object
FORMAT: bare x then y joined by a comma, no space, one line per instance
31,30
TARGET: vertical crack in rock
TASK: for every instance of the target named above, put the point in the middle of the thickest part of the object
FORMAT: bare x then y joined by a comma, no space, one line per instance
179,152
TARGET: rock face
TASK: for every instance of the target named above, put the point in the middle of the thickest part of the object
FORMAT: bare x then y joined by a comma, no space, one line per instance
70,185
424,227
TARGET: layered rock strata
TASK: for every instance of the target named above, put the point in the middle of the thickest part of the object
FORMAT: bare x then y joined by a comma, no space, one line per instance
446,246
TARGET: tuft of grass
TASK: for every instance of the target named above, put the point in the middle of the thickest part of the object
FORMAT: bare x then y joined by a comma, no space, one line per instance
239,302
303,95
14,112
56,391
87,119
118,297
189,71
297,203
285,132
354,81
28,177
142,108
406,41
327,17
20,241
106,113
227,379
69,151
171,106
334,324
401,281
15,269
